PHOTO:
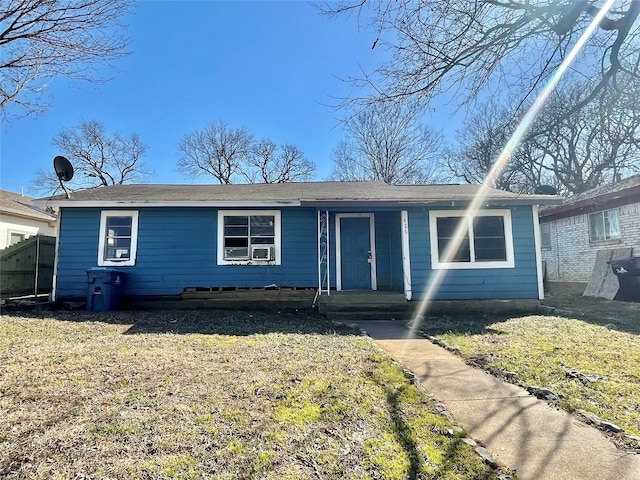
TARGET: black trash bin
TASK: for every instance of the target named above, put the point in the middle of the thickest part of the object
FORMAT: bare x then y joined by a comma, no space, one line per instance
105,287
628,272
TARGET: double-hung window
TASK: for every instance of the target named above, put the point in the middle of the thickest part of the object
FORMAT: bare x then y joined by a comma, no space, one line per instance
248,237
118,241
461,241
604,226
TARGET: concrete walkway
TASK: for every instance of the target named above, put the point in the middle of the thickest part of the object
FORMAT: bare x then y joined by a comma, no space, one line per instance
520,431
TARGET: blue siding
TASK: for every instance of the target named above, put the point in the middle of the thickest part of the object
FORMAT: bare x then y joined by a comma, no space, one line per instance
518,282
77,250
177,249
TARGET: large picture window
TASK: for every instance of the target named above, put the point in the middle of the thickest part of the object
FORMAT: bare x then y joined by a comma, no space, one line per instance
248,237
604,226
483,240
118,241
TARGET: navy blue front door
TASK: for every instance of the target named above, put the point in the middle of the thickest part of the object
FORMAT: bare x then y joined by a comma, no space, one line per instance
355,252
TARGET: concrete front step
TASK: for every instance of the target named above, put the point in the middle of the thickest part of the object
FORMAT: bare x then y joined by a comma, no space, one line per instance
364,298
363,307
353,316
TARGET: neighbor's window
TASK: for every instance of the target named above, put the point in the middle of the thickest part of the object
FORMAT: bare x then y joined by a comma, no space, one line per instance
118,238
604,226
248,237
483,240
15,237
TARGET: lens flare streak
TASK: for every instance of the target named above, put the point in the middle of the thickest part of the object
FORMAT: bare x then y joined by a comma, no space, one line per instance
523,126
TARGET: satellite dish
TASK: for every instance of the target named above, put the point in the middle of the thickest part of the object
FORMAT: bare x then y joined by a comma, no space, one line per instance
63,168
64,171
545,190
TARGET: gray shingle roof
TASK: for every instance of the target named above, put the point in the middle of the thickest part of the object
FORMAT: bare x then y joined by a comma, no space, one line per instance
612,195
604,190
305,193
20,205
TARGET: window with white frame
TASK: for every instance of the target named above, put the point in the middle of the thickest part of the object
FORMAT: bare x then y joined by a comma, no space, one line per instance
481,240
118,241
604,226
249,237
16,237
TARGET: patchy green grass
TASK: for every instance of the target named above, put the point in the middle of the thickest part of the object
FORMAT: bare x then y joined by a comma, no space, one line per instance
625,316
595,368
208,394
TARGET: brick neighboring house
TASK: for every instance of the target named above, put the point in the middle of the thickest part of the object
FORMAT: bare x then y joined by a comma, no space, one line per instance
572,233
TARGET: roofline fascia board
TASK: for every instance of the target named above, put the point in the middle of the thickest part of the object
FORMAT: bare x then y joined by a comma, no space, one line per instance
42,217
591,205
455,202
151,204
422,203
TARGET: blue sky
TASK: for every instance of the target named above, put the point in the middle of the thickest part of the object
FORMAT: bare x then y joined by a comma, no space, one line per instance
273,67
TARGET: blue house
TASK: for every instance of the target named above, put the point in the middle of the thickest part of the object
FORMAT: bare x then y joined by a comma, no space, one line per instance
326,236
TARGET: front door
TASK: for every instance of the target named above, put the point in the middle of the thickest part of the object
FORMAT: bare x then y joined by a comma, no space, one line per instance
356,254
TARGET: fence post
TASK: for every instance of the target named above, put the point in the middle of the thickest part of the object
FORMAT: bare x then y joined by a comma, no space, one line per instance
35,293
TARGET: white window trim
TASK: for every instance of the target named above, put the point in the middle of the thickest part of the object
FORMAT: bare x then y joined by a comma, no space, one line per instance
25,235
436,264
277,241
604,240
131,261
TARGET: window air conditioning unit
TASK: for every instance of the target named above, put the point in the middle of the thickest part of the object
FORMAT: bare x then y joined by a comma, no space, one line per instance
262,253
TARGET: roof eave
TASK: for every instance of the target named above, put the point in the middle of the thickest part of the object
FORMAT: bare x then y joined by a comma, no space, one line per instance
159,203
594,204
319,203
43,217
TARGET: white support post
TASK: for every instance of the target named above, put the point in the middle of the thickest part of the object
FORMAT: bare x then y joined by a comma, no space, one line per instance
328,255
406,256
54,287
538,248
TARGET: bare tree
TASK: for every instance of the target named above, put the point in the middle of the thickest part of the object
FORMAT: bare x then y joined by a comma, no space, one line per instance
232,155
497,47
44,39
479,144
99,159
593,146
269,163
348,165
387,142
217,150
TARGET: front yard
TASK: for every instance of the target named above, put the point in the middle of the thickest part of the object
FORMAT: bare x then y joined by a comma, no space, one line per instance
214,394
587,352
206,394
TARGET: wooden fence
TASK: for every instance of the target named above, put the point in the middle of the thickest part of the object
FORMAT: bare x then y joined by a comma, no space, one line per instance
26,268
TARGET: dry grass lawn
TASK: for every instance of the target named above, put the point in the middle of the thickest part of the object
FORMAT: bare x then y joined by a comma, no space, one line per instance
207,394
588,352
